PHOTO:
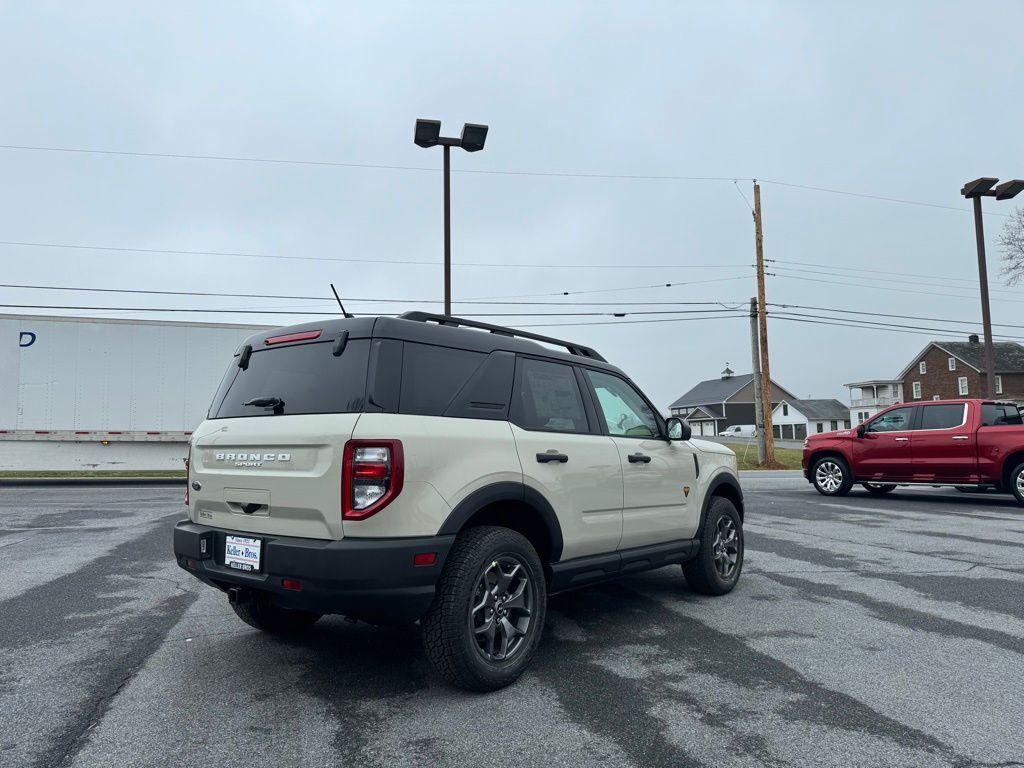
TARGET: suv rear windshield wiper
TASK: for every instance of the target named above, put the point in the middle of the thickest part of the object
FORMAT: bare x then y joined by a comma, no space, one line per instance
268,402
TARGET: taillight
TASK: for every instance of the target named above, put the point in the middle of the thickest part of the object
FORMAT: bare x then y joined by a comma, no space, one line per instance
371,477
188,474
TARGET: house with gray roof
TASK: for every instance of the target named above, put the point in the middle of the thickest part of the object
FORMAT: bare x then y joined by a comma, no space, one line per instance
713,405
794,419
946,370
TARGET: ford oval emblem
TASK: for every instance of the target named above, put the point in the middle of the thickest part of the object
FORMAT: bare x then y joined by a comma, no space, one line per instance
196,486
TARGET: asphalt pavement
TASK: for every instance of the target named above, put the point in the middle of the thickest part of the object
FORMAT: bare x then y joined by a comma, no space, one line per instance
864,632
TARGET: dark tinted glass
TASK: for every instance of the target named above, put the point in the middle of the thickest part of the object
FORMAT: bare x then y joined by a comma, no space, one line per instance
1000,415
547,397
896,420
941,416
307,377
432,376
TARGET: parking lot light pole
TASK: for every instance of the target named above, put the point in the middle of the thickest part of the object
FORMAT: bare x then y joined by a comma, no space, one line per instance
974,191
428,134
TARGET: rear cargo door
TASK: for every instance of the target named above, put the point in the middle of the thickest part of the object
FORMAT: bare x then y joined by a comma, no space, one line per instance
269,458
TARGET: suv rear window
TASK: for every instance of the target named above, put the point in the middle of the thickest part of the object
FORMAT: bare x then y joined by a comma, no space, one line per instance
432,376
993,415
307,377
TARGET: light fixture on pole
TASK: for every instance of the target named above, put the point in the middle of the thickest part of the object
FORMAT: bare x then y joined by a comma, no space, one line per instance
428,134
974,191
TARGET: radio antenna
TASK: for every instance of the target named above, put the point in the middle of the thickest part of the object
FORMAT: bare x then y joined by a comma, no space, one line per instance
338,299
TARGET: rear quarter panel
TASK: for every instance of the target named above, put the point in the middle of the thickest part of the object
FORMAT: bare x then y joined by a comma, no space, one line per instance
996,446
446,459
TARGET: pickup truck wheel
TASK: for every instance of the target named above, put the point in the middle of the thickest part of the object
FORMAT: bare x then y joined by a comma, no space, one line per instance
879,489
1017,483
262,614
716,569
488,612
831,476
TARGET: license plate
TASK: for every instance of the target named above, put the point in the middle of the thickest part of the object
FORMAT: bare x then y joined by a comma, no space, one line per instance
242,553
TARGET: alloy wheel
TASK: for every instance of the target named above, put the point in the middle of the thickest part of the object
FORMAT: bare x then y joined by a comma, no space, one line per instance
502,608
726,547
1020,484
829,476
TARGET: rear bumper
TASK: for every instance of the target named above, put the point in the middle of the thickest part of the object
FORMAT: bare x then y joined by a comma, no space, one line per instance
363,578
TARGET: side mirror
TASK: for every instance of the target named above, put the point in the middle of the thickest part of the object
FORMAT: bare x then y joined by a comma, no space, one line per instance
678,429
861,430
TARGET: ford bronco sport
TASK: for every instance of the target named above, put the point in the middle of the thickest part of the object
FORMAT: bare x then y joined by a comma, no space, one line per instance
447,471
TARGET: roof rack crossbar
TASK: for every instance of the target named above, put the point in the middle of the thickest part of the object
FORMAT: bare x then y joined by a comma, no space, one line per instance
574,349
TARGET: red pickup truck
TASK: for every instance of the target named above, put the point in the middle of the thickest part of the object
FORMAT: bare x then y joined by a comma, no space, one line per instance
964,443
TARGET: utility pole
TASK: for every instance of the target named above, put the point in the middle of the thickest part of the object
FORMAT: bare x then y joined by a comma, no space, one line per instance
762,321
975,190
755,361
447,232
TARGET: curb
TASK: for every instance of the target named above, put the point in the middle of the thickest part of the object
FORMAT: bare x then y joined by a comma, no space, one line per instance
51,482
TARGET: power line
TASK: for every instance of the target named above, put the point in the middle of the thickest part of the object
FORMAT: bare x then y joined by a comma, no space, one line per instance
406,262
872,271
885,314
625,288
886,288
917,278
424,169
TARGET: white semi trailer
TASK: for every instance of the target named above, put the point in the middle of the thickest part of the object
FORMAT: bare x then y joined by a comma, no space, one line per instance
82,393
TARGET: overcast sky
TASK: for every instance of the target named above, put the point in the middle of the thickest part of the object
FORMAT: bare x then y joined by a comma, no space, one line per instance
904,100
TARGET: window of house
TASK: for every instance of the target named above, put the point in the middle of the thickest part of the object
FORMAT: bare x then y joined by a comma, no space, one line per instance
999,385
922,367
785,409
846,424
820,427
935,397
952,363
917,390
834,425
962,384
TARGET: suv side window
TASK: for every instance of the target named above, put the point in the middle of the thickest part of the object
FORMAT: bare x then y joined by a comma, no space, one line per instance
896,420
432,377
625,412
547,397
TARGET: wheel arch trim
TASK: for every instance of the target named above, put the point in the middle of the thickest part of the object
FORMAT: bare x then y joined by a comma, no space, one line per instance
507,491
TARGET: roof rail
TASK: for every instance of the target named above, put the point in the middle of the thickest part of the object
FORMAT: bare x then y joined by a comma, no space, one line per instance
456,322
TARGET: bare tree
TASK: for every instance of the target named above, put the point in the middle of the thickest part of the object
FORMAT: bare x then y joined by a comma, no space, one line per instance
1012,242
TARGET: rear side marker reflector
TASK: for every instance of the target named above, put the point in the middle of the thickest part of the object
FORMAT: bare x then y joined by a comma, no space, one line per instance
424,558
304,336
294,584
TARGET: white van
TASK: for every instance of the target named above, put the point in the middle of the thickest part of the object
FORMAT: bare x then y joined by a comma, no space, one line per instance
739,430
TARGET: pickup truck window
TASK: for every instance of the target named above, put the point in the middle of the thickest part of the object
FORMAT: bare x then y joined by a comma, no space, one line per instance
896,420
942,416
993,415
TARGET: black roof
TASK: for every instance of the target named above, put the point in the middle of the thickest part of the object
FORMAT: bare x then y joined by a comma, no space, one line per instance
1009,354
713,391
455,332
828,408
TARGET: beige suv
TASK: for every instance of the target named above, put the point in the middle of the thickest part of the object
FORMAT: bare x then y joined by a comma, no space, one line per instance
447,471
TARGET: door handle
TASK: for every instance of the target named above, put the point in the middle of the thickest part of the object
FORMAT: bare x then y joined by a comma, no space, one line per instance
961,437
544,458
639,458
901,439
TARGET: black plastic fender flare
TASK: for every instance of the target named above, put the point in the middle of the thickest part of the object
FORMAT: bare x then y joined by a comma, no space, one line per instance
507,491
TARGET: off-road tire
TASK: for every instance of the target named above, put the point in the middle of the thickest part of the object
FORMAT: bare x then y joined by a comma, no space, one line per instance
845,482
703,573
262,614
879,489
1017,483
447,630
